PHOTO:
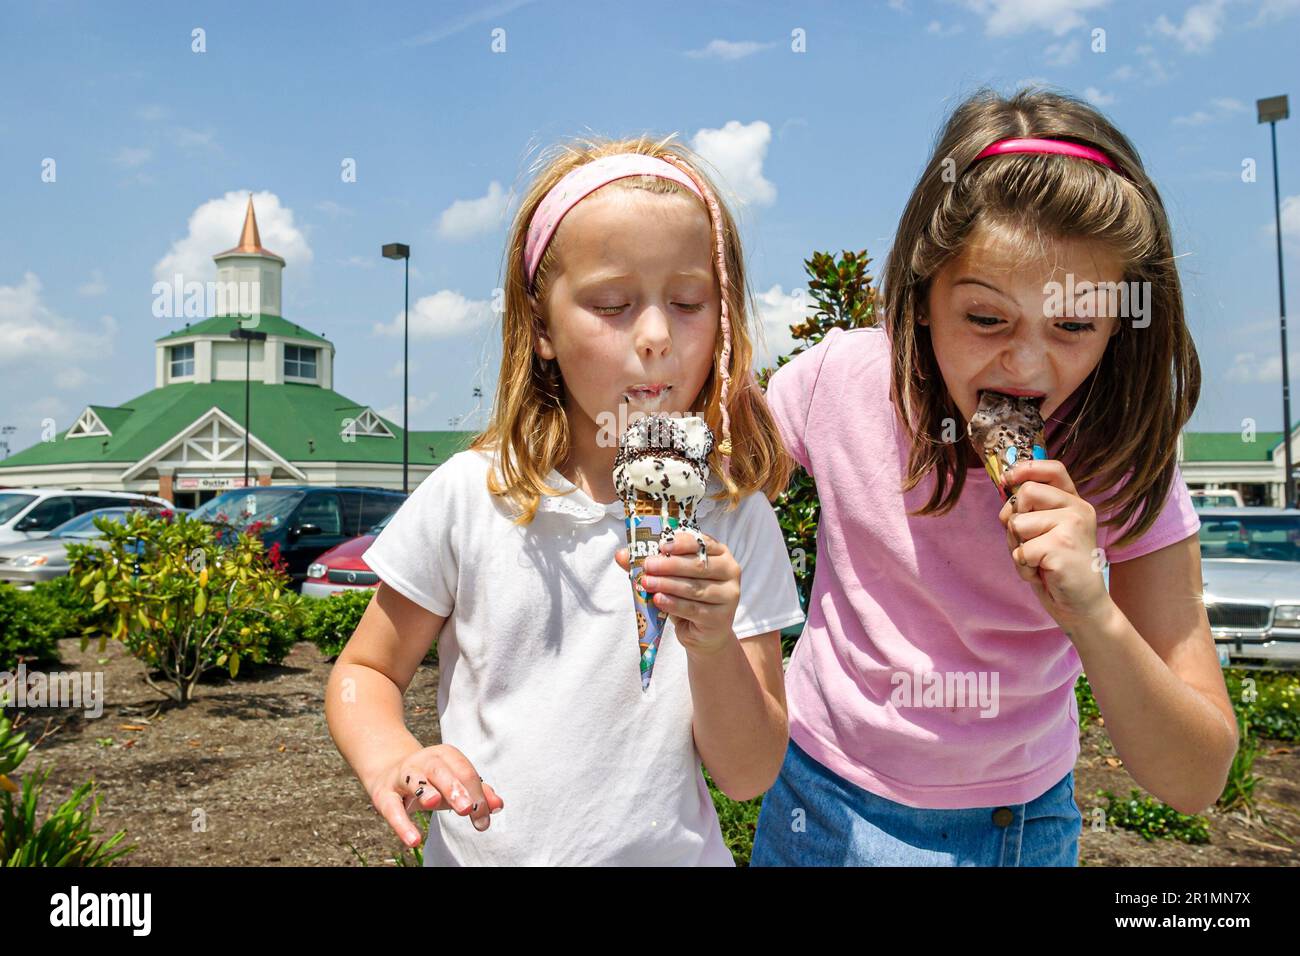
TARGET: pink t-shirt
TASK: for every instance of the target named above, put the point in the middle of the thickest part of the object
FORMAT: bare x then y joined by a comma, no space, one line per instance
928,672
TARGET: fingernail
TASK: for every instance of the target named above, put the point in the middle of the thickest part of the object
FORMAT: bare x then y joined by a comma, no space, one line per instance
497,810
413,837
481,824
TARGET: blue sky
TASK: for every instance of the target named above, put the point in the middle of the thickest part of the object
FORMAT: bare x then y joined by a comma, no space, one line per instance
156,146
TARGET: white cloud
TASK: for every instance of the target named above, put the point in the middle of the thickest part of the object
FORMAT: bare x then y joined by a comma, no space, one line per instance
1150,68
95,286
737,151
729,49
1250,369
1063,53
39,341
1010,17
1097,98
132,156
1220,107
193,138
1290,219
777,311
466,218
1273,10
152,113
443,315
417,404
1200,27
938,29
71,377
215,227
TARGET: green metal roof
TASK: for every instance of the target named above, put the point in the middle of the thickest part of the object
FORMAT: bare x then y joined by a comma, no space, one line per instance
286,417
225,324
1229,446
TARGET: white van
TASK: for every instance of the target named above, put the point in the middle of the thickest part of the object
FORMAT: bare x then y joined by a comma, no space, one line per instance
27,513
1217,498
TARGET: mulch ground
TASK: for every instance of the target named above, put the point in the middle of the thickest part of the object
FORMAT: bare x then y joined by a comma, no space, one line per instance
256,758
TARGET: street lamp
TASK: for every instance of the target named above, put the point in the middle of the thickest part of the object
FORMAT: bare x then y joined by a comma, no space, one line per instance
396,250
1272,109
249,336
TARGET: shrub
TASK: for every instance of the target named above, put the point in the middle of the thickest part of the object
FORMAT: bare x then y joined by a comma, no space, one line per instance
177,599
1153,819
25,633
66,837
1271,702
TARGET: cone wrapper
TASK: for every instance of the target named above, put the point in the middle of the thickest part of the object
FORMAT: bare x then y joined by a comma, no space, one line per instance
1006,429
645,523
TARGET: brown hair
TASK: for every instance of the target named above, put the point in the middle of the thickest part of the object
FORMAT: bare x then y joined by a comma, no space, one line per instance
528,419
1142,392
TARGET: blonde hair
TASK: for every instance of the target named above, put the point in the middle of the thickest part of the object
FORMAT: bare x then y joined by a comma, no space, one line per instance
528,427
1148,381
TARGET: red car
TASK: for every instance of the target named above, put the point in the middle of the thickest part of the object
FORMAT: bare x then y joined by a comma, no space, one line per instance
341,568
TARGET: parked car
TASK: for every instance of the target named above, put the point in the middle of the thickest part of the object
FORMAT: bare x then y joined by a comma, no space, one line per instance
303,522
29,513
341,568
1216,498
25,563
1250,561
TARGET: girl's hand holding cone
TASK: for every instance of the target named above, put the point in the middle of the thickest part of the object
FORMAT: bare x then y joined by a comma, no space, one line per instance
701,598
1052,536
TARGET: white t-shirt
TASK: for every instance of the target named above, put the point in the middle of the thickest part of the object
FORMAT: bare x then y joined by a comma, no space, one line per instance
540,683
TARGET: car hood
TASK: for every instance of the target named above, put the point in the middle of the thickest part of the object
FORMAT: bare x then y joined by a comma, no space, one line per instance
53,547
352,548
1245,579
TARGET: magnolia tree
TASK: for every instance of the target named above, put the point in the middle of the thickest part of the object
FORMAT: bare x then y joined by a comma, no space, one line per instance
842,296
181,599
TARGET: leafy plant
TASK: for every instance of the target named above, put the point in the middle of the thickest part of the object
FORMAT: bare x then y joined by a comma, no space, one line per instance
178,600
842,297
1088,709
1271,703
739,821
67,836
25,632
1239,791
1152,819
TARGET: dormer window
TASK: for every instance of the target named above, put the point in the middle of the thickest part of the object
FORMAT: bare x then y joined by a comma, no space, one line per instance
299,362
182,357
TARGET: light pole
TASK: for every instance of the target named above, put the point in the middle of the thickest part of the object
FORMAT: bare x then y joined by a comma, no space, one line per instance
249,336
396,250
1271,110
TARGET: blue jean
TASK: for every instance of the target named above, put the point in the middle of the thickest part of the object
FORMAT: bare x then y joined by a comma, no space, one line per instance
813,817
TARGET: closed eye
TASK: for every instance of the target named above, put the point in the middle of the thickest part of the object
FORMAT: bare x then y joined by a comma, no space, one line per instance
691,306
983,321
1080,327
608,309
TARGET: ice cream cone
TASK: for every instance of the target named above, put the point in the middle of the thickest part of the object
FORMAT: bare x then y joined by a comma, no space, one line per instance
1006,429
644,519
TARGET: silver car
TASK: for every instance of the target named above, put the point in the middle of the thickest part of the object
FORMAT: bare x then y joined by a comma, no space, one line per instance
25,563
1250,560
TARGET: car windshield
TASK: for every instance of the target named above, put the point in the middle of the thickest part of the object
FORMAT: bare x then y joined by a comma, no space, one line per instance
1266,537
83,526
239,509
11,504
1214,501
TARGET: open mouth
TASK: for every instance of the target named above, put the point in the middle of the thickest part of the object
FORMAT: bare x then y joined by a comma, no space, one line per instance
646,393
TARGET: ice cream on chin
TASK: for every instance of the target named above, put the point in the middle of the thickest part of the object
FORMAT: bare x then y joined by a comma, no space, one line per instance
1005,429
661,474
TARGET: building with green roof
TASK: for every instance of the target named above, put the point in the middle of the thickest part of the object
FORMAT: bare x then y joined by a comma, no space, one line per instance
184,439
1247,461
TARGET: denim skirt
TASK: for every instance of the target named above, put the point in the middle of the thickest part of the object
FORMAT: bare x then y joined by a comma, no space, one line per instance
813,817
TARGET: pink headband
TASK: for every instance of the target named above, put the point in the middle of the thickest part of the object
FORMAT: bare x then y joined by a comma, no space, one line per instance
586,179
1057,146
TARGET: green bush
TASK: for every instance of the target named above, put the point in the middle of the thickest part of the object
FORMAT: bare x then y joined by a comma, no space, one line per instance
1271,704
67,605
66,837
330,621
1088,709
1239,790
1152,819
180,600
25,632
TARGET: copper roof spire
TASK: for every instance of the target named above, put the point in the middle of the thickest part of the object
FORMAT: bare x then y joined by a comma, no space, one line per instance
250,241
